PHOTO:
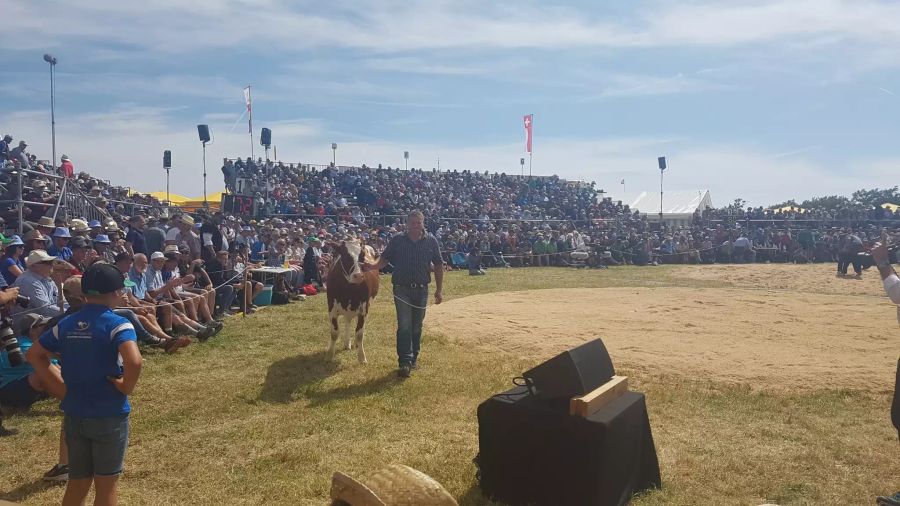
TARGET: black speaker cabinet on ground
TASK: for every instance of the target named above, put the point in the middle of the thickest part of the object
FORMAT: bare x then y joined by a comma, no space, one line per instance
534,453
572,373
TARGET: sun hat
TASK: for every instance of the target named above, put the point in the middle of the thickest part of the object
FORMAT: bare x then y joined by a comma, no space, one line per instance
62,232
395,485
157,255
38,256
187,219
15,241
102,239
95,224
46,222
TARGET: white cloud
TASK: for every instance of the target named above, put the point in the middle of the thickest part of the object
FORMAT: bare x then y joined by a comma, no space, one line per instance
637,86
391,26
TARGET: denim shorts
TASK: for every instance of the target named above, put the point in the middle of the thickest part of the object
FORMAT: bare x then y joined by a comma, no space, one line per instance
96,445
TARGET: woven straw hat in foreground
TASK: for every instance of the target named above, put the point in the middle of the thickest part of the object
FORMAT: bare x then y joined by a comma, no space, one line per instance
395,485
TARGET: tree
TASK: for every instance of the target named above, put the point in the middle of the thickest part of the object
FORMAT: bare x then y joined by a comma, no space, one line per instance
829,203
876,196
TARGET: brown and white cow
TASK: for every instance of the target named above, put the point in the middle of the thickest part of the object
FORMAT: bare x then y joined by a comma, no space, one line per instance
350,292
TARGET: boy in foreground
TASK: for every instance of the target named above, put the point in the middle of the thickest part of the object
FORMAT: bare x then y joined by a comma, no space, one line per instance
101,366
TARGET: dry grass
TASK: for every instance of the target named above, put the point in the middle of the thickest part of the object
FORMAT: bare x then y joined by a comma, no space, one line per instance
257,416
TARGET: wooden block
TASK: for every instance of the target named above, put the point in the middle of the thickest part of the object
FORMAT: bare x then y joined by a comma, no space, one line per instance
591,402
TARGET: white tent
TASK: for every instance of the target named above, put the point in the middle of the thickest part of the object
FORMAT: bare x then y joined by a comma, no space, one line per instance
678,206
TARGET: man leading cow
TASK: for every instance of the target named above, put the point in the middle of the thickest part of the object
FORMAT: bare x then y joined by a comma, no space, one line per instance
413,255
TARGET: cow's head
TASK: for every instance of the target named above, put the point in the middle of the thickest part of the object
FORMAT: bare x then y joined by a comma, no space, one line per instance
349,254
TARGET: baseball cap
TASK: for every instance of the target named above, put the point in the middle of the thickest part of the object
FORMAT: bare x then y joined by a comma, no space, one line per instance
100,279
29,321
79,243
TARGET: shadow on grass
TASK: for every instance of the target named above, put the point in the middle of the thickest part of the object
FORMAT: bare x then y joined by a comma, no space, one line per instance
27,490
369,387
288,374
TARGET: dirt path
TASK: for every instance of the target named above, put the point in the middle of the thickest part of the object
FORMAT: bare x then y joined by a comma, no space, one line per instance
770,339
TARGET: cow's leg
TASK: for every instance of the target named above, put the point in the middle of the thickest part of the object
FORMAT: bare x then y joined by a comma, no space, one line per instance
334,335
348,344
360,331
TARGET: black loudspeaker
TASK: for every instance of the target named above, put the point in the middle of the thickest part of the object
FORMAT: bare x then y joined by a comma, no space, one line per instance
662,162
533,454
265,137
167,159
203,131
572,373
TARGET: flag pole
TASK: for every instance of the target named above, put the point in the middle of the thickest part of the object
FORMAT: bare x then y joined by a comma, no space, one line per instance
250,119
529,163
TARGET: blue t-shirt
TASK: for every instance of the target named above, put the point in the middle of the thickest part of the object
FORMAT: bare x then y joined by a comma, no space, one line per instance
88,343
63,254
4,269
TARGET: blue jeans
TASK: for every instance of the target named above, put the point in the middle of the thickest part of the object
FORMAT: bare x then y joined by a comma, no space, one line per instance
225,297
142,334
409,321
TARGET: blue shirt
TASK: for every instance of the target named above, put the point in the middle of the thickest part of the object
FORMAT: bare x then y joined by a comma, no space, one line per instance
139,289
4,269
88,343
63,254
43,293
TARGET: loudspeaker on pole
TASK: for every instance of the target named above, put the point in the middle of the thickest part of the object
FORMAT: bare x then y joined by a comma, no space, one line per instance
203,132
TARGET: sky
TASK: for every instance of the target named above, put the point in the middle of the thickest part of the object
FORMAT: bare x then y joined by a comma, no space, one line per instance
763,100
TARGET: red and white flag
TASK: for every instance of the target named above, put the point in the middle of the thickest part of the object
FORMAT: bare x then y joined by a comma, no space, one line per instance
249,108
529,120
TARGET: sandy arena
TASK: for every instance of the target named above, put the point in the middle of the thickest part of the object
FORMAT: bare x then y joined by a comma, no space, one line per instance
777,327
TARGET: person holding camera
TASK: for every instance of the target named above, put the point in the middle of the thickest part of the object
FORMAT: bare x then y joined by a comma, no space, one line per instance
20,386
102,367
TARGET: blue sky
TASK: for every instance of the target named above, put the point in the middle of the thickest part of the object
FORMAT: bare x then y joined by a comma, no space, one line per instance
765,100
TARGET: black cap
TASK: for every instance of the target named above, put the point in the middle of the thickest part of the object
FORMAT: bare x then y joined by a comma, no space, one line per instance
79,243
100,279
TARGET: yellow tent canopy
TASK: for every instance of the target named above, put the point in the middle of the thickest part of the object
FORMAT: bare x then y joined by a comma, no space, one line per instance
195,203
892,207
173,197
787,209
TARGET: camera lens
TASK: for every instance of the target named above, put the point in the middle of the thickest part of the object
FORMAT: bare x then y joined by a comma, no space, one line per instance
9,342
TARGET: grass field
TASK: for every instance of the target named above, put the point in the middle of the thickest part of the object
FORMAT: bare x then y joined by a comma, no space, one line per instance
258,416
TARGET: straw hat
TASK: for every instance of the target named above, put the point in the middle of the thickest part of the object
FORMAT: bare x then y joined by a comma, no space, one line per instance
47,222
395,485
